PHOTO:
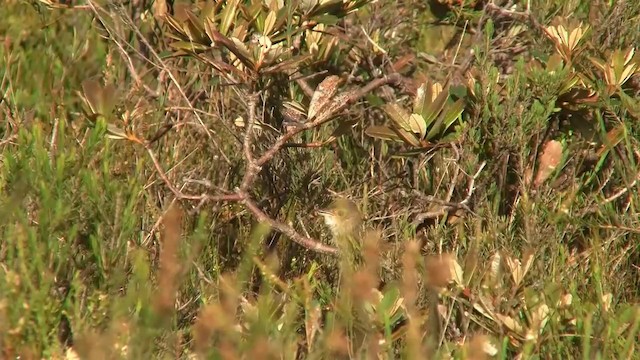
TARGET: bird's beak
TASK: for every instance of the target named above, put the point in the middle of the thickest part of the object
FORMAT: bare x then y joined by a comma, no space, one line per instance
323,212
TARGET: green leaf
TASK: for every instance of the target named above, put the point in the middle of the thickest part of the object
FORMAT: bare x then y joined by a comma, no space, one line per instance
195,29
417,125
374,100
383,133
408,137
327,19
430,112
630,104
446,119
399,116
228,16
188,46
459,91
176,26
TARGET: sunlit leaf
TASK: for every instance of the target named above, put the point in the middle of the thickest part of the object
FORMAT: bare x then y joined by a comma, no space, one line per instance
399,116
323,94
382,132
417,125
446,119
269,23
549,160
228,16
419,100
114,132
430,112
408,137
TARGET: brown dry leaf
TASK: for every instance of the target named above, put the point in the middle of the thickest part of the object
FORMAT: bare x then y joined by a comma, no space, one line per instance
493,272
160,9
483,306
549,161
511,324
325,91
539,318
519,269
312,325
515,268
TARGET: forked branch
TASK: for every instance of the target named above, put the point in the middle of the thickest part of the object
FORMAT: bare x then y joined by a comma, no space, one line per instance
254,163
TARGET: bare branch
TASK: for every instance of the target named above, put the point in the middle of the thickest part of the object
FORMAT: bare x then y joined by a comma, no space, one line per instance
287,230
179,194
339,104
98,11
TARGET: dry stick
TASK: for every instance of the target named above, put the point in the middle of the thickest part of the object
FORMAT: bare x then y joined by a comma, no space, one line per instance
179,194
254,166
455,174
308,243
251,171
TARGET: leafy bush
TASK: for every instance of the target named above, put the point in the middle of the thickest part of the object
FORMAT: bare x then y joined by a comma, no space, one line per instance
163,165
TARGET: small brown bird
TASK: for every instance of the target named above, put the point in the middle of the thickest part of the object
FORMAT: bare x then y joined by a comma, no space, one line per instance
345,222
343,218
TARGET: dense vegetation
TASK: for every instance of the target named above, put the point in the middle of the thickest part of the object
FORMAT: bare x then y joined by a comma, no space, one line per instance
163,164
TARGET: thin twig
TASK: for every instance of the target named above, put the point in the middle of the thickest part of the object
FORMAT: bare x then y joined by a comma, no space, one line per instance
308,243
179,194
163,66
624,190
472,184
447,206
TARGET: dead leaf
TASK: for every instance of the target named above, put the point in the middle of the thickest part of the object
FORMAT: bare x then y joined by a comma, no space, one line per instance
548,162
325,91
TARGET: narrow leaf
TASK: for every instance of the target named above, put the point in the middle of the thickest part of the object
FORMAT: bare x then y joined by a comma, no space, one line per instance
228,16
446,119
419,101
434,108
408,137
383,133
399,116
417,125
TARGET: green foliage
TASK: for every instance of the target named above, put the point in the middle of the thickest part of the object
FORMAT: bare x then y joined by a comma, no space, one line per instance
257,36
534,255
428,125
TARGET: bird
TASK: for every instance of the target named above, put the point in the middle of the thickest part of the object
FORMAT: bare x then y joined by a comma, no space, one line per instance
344,219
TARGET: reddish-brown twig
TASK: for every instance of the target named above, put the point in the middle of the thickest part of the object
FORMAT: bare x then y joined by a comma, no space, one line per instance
254,163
